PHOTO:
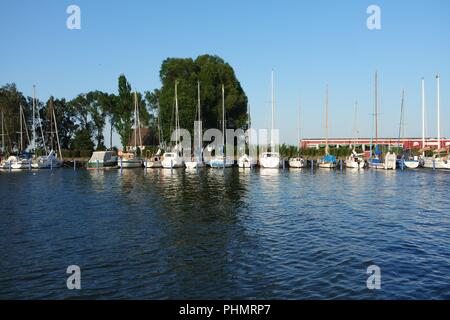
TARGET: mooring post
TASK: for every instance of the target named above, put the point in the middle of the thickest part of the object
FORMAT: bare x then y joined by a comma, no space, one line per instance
51,164
340,164
284,164
312,166
29,165
171,165
434,164
74,164
402,164
10,166
121,165
98,165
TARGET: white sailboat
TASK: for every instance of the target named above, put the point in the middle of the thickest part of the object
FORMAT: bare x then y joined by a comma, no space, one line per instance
298,162
197,159
355,160
376,161
406,160
154,161
174,159
220,160
440,158
328,161
131,159
50,160
271,160
247,161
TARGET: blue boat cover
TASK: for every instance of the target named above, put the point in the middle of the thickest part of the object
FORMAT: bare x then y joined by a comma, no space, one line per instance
377,151
329,158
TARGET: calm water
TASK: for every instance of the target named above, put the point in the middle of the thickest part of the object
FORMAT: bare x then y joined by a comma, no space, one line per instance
264,234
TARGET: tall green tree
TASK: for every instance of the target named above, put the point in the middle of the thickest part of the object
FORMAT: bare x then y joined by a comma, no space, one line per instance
123,111
10,101
211,72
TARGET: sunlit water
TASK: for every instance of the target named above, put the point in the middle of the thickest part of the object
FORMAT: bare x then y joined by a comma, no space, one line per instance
264,234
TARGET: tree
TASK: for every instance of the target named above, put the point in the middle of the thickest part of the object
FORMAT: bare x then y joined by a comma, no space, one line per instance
65,121
90,115
10,101
211,72
123,111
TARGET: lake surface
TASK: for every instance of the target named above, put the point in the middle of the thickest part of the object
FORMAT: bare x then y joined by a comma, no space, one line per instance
265,234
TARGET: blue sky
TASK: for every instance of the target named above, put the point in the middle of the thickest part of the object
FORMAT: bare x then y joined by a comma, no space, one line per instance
308,44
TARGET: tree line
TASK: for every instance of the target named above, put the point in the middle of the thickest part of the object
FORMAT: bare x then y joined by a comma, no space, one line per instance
81,121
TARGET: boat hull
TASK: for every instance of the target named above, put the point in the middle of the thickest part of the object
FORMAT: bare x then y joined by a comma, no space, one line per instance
327,165
128,164
101,165
270,163
355,164
192,165
246,162
167,164
438,164
297,163
218,164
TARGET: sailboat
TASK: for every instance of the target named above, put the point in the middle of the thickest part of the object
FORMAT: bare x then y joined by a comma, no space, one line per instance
405,159
50,160
155,160
174,159
271,160
440,158
298,162
220,160
197,161
247,161
5,163
355,160
328,161
131,159
23,160
376,161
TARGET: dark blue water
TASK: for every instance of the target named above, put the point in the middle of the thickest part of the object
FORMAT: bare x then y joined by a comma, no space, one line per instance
265,234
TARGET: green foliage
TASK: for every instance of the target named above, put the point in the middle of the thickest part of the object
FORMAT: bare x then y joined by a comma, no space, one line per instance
82,140
10,100
211,72
122,108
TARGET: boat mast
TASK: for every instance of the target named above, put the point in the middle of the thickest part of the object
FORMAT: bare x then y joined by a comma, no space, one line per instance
272,142
249,126
223,117
376,108
21,129
355,125
438,112
135,122
33,143
158,124
423,116
176,114
3,134
138,120
40,124
326,121
199,120
57,135
299,125
402,110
